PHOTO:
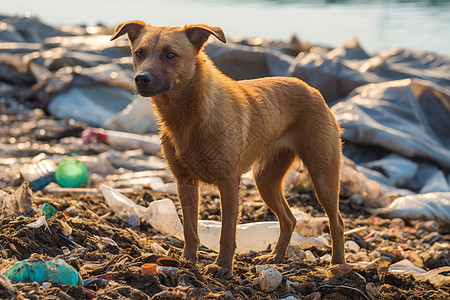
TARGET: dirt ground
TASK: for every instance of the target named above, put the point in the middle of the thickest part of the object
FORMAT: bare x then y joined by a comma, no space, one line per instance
104,247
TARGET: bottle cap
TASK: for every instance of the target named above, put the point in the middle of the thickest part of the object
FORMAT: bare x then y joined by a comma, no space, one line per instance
72,173
149,269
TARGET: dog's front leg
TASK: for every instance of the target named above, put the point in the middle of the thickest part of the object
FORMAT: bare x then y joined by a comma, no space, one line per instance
229,202
188,194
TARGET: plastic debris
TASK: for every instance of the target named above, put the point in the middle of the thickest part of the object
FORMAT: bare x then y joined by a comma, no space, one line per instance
53,270
40,173
98,281
157,249
66,229
160,214
39,223
405,266
65,250
153,269
431,206
125,140
257,236
48,209
149,269
72,173
168,262
105,242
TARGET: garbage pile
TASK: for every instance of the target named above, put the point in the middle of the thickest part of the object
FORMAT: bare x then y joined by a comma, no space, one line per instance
88,207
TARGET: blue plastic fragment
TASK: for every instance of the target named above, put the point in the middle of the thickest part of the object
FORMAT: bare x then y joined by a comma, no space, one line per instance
54,270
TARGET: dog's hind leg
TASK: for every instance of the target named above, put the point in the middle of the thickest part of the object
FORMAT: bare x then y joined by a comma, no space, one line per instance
320,150
269,173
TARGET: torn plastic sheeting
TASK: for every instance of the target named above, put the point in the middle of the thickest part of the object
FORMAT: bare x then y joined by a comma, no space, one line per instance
391,115
404,63
398,170
92,105
246,62
332,77
431,206
9,34
435,277
336,73
137,117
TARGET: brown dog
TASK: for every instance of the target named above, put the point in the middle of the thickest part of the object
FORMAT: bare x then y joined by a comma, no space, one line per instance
214,128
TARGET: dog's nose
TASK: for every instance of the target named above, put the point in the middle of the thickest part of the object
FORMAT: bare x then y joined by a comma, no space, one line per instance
142,79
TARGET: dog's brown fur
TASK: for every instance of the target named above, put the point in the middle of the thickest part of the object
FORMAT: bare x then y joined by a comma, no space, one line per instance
214,128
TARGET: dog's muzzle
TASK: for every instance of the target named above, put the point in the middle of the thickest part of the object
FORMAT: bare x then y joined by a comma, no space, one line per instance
148,86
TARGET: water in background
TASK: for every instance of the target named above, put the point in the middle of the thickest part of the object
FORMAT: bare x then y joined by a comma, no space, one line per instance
378,24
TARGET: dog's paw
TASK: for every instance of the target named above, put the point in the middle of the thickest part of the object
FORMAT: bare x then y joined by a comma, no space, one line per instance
271,258
219,272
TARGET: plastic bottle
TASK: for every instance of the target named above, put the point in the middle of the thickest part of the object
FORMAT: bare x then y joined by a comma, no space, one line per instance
163,216
40,173
72,173
124,139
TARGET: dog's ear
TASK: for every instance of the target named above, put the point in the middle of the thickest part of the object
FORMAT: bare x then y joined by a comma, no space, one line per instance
133,28
199,34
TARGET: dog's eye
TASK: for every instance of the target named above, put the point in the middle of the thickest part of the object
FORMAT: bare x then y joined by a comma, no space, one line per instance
170,55
138,54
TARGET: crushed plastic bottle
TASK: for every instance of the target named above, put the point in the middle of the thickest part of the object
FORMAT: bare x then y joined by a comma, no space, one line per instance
54,270
123,139
162,215
257,236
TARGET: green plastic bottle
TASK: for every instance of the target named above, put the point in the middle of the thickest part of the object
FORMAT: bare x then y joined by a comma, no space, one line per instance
72,173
